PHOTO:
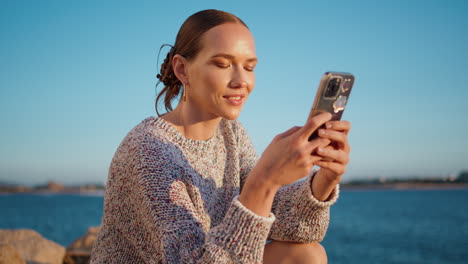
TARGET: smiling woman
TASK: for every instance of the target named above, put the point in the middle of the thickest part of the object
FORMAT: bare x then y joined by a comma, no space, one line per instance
187,187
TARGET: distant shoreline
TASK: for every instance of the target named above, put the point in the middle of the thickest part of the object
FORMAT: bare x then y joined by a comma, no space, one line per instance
343,187
87,193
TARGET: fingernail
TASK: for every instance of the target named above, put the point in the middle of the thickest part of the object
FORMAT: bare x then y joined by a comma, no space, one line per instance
321,132
329,125
320,149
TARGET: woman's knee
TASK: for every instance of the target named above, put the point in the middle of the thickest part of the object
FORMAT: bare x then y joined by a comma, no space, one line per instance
318,253
288,252
310,253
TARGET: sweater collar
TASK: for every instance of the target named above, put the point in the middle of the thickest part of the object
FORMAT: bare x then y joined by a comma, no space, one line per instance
180,139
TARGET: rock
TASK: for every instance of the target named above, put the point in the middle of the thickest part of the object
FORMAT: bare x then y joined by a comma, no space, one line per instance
85,242
80,250
9,255
32,247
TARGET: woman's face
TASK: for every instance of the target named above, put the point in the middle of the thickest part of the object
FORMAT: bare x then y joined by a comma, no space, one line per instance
221,76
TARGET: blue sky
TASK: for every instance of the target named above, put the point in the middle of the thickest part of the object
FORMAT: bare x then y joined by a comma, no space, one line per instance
76,76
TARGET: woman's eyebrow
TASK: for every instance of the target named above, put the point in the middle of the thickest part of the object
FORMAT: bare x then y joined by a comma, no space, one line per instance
230,57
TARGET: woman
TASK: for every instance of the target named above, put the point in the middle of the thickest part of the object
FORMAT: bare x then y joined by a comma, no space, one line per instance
186,187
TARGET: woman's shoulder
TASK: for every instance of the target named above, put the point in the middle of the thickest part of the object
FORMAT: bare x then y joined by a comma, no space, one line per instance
149,135
145,129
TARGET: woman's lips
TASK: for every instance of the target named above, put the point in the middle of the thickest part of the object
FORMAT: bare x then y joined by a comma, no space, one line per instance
235,100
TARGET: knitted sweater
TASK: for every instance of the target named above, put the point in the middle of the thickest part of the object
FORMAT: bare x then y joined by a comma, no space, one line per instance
170,199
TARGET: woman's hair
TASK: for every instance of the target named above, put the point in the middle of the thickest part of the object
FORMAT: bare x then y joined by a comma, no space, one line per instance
188,45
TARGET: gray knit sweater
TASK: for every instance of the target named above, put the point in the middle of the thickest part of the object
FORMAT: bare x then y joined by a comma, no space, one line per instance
170,199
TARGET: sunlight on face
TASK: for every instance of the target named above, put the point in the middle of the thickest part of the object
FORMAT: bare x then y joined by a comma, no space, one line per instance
221,76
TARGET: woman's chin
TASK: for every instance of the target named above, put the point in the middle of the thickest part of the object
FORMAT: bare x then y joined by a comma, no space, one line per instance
232,115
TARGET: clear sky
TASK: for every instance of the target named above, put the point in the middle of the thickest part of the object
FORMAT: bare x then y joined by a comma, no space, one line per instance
76,76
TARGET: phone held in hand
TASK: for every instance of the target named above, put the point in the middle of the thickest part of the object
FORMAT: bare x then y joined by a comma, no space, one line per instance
332,95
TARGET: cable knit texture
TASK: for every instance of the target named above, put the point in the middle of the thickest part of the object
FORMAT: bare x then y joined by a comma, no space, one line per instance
170,199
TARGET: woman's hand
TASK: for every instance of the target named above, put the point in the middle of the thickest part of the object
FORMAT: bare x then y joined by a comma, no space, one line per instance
335,158
290,156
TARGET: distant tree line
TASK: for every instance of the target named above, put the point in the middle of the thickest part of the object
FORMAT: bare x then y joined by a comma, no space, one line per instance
462,177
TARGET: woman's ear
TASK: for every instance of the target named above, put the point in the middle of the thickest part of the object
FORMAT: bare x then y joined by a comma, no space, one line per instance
180,68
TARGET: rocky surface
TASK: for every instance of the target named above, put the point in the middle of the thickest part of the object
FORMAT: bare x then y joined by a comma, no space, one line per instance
24,246
80,250
31,247
9,255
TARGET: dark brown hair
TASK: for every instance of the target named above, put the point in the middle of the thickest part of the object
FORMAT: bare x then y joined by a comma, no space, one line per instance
187,45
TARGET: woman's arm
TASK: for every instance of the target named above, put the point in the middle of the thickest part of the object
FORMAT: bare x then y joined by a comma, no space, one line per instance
301,216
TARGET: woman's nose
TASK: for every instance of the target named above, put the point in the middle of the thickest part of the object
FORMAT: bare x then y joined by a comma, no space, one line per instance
239,79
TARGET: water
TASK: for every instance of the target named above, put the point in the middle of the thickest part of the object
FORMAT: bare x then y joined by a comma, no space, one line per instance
399,227
366,226
60,218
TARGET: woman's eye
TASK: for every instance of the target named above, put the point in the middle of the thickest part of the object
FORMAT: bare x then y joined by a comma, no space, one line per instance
249,68
222,64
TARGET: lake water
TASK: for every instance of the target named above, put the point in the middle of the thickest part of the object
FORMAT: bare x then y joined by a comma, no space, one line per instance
388,226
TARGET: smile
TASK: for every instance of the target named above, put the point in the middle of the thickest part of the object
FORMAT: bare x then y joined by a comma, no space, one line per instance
235,100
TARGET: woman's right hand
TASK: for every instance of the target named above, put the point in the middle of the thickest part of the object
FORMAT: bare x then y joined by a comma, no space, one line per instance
288,158
291,156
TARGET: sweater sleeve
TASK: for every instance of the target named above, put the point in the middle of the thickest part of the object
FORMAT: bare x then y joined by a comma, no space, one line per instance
300,217
164,198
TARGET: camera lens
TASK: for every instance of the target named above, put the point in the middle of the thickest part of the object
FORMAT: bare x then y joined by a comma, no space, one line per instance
333,87
347,83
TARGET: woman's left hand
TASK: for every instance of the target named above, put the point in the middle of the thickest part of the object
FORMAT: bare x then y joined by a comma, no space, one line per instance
336,155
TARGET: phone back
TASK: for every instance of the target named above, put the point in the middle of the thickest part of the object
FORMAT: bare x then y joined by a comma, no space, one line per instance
332,94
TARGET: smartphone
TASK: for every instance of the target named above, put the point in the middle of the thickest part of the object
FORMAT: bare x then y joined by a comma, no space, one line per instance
332,96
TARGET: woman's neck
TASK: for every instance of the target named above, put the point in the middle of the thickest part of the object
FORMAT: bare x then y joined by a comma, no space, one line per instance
192,124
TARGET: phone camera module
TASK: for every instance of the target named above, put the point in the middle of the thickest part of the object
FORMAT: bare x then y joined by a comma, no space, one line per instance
333,87
346,85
